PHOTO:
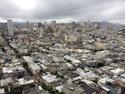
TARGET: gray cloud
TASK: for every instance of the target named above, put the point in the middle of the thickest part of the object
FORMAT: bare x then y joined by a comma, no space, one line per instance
109,10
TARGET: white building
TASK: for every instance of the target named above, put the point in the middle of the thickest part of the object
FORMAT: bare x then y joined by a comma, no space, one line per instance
10,27
87,75
117,71
49,78
33,66
2,91
72,59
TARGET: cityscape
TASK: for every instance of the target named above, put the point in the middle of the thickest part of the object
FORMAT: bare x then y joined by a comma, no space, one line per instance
52,57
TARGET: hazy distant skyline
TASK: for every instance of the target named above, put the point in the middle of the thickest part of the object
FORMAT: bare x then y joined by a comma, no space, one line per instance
63,10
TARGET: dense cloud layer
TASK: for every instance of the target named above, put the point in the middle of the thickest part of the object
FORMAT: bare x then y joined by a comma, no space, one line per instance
100,10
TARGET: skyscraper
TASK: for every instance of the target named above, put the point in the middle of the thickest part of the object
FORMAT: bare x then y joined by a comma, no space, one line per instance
10,27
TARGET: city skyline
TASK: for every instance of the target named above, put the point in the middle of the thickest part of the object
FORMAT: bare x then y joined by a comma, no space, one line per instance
41,55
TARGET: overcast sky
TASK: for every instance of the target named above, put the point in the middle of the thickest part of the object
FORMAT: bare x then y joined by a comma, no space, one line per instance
63,10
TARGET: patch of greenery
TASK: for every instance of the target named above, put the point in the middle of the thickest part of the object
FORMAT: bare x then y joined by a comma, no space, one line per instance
50,89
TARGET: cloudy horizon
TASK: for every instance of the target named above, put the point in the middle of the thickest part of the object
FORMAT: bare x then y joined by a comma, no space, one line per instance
63,10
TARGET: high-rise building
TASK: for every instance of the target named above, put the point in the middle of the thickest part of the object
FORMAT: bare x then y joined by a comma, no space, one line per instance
53,23
10,27
1,40
39,25
28,25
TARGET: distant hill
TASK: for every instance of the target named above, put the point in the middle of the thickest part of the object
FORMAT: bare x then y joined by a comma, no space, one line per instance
110,25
